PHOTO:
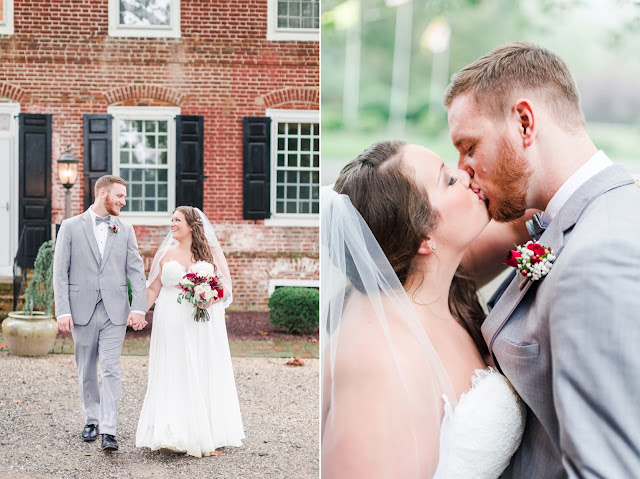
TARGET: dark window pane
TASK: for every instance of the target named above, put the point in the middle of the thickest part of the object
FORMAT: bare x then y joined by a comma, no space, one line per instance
315,207
150,141
149,176
315,177
150,191
292,144
280,192
304,192
292,160
280,177
136,205
305,144
291,207
149,126
280,160
304,207
281,127
305,161
292,176
315,192
292,192
124,157
162,205
162,175
162,141
305,129
316,161
279,206
162,126
136,175
150,205
280,144
292,128
304,177
162,191
136,190
162,156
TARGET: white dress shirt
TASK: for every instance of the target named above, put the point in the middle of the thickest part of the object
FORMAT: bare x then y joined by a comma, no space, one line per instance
598,162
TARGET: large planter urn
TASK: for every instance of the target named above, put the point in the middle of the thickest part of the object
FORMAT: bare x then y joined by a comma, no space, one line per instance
29,334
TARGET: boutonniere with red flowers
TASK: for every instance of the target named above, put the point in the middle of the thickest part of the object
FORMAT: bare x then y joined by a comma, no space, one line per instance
114,229
532,260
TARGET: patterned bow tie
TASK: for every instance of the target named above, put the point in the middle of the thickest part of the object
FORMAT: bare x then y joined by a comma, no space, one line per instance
536,226
106,220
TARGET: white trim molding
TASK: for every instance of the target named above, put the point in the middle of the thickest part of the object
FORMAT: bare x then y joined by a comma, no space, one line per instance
6,25
275,34
293,116
144,31
12,109
304,283
167,114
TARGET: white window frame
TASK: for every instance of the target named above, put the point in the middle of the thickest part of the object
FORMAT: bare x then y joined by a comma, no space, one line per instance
6,25
275,34
144,31
148,113
304,283
294,116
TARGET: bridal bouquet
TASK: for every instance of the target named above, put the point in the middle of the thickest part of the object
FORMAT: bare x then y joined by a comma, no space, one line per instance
198,288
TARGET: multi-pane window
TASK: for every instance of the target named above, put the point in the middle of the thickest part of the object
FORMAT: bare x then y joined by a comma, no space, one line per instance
144,18
144,156
297,168
145,12
293,20
298,14
6,17
144,164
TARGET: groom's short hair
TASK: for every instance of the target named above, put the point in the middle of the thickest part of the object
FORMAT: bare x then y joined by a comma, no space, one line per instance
511,70
106,181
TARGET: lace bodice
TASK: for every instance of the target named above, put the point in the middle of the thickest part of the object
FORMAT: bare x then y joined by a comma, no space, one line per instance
173,272
479,437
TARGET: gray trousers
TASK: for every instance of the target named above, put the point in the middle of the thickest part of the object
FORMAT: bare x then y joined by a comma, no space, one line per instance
99,338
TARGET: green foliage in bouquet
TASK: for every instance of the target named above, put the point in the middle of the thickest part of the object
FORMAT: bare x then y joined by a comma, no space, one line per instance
295,309
39,292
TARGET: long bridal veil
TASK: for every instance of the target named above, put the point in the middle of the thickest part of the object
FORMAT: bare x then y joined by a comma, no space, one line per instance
382,380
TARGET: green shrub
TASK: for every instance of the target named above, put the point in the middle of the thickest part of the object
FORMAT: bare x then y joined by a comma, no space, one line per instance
296,310
39,292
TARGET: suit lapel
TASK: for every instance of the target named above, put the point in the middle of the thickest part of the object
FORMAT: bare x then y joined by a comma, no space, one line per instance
91,237
553,237
109,244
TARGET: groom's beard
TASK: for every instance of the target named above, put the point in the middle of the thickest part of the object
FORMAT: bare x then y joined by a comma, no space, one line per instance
110,206
508,198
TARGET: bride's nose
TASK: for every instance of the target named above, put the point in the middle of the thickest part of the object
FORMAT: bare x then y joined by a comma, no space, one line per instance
465,178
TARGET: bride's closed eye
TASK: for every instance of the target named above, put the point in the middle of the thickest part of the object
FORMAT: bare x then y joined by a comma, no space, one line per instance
452,180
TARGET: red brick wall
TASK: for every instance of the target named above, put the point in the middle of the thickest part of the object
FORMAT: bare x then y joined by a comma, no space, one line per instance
62,61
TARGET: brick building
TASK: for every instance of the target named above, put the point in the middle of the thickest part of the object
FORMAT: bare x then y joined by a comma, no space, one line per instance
209,103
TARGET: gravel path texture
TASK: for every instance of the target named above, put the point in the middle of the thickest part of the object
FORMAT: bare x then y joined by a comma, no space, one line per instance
41,421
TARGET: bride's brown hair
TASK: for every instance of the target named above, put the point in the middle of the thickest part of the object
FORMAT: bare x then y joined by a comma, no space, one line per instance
400,216
200,250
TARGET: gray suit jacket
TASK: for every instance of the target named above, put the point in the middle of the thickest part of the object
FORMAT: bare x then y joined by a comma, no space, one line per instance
569,343
80,276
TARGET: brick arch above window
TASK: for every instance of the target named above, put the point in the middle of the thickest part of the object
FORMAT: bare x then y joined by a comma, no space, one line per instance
12,92
143,95
302,98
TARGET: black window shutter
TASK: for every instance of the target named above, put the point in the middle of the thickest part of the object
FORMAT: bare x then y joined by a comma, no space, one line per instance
97,153
256,153
189,160
35,185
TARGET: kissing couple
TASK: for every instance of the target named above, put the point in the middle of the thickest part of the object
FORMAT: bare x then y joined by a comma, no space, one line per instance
191,405
417,381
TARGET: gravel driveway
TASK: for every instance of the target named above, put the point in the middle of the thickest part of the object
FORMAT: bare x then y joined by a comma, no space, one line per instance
41,421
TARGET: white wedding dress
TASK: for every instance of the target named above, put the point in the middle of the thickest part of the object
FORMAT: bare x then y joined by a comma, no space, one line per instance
478,438
191,402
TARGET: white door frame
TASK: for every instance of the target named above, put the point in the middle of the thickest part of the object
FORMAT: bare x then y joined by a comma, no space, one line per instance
12,109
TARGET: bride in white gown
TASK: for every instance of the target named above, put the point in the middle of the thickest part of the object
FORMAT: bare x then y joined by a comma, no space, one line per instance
191,404
406,390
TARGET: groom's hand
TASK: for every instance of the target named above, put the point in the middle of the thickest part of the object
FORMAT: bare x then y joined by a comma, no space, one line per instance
65,324
136,321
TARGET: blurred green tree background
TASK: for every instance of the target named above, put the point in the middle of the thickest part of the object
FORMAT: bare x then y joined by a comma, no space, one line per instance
386,63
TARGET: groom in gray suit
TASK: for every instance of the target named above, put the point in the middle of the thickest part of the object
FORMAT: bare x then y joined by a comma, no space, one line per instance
95,254
569,341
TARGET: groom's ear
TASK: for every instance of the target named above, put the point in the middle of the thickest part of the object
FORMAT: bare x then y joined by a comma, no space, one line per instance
526,122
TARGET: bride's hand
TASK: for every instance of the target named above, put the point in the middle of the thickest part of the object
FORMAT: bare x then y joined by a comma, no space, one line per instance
209,303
